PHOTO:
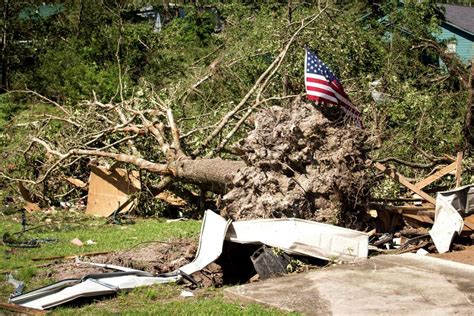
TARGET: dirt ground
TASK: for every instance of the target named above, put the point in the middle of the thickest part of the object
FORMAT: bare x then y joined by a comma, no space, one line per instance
163,257
154,257
464,256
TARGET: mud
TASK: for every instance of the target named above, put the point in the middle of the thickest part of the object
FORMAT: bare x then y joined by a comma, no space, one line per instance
301,164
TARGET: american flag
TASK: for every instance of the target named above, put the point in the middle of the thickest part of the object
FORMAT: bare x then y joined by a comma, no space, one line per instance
323,86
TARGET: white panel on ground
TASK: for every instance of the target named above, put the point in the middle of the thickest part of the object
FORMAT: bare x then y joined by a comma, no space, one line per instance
303,237
447,219
41,299
211,241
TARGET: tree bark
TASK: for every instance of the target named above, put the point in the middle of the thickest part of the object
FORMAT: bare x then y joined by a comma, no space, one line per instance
216,174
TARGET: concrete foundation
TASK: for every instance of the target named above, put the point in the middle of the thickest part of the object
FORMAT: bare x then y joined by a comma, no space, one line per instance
394,284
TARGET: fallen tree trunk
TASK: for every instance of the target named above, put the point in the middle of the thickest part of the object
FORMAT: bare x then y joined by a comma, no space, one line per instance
215,174
301,161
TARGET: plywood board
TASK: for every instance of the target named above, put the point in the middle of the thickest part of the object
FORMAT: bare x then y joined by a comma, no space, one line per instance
109,189
468,224
30,204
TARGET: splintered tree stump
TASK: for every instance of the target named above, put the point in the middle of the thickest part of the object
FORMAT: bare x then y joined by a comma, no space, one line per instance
301,164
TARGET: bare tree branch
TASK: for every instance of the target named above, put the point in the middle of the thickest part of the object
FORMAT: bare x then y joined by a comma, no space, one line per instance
269,71
139,162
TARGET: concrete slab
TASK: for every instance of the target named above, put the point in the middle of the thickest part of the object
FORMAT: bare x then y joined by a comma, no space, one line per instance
397,284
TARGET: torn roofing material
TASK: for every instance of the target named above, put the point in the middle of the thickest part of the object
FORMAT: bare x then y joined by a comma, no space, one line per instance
303,237
87,286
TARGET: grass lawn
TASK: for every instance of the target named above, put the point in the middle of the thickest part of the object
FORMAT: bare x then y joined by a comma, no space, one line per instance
66,225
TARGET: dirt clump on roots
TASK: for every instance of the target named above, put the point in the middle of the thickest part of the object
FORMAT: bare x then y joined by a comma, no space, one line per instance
301,164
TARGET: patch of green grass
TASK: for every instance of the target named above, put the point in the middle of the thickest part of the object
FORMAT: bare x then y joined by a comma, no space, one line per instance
166,301
162,299
108,237
65,226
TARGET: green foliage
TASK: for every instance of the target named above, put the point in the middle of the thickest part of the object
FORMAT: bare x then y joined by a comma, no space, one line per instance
203,74
8,109
15,134
70,72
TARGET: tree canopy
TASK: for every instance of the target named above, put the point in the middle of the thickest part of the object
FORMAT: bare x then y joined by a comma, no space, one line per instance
206,59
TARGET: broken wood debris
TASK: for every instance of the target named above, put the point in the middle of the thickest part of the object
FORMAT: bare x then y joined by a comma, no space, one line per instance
405,209
110,189
404,181
30,204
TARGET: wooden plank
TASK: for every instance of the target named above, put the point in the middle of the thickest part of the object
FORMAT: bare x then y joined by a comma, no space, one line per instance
21,309
418,220
402,207
110,189
30,205
404,181
469,224
458,169
435,176
396,199
405,209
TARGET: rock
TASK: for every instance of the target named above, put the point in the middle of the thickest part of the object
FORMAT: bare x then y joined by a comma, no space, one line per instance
77,242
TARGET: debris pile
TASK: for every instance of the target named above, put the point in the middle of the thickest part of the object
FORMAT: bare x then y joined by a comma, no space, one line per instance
301,164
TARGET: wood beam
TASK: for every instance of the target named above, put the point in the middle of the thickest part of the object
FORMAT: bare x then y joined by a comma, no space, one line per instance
21,309
435,176
458,169
404,181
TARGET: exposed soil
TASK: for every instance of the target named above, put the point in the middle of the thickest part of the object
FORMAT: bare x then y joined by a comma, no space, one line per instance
155,258
301,164
464,256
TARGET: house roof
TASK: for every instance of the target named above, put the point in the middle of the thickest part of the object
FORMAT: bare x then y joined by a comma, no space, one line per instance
461,17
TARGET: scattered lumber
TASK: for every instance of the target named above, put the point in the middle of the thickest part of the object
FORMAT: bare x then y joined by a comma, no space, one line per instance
404,181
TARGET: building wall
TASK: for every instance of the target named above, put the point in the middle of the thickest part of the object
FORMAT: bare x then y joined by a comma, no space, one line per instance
464,41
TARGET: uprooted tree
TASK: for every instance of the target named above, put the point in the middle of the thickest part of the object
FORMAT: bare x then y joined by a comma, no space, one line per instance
296,161
292,160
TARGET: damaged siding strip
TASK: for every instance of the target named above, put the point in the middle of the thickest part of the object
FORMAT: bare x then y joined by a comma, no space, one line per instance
297,236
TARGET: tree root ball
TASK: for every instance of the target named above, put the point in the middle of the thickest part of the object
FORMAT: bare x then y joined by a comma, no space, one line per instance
301,164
